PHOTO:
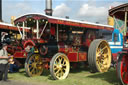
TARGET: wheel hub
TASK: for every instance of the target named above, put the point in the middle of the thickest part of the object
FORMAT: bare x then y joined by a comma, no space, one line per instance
34,65
59,66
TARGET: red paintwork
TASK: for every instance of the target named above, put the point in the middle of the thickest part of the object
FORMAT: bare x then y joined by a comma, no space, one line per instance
87,43
124,69
21,54
45,62
13,49
77,56
82,56
29,42
52,30
64,22
73,56
114,57
64,48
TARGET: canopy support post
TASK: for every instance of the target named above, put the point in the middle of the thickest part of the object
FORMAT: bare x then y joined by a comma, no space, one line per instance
125,23
23,31
37,29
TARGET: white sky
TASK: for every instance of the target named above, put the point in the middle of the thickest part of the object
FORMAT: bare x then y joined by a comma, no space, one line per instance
88,10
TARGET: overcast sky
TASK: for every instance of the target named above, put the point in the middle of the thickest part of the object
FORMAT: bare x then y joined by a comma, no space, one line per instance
88,10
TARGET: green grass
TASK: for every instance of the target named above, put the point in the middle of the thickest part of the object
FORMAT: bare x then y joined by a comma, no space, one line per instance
76,77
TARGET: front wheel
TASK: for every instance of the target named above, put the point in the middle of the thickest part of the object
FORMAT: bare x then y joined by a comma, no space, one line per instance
59,66
33,65
122,69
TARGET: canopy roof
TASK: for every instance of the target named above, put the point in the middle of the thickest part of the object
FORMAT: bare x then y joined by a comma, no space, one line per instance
63,21
119,11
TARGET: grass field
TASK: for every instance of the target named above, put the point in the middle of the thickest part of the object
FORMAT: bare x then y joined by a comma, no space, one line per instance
76,77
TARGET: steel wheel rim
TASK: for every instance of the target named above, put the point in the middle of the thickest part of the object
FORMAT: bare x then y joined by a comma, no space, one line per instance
124,69
103,57
61,67
35,65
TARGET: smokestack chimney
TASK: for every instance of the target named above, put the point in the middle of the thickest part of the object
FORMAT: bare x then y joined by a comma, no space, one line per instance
0,10
48,10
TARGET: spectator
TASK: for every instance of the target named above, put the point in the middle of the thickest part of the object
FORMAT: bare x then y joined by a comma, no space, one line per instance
3,63
13,65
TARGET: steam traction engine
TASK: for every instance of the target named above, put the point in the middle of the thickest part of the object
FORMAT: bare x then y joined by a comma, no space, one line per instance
58,44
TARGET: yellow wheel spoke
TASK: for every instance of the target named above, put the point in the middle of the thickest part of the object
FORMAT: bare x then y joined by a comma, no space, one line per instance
102,65
58,75
64,62
55,67
62,72
32,70
30,64
37,70
102,50
105,56
56,62
64,65
57,72
60,59
30,67
64,69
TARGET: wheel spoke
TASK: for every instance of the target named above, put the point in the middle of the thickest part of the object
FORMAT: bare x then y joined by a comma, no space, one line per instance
29,64
56,62
104,48
57,71
62,72
37,71
105,56
55,67
30,67
60,60
63,65
102,65
32,70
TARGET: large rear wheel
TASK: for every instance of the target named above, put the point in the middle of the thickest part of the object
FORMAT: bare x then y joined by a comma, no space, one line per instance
59,66
99,56
34,65
122,69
